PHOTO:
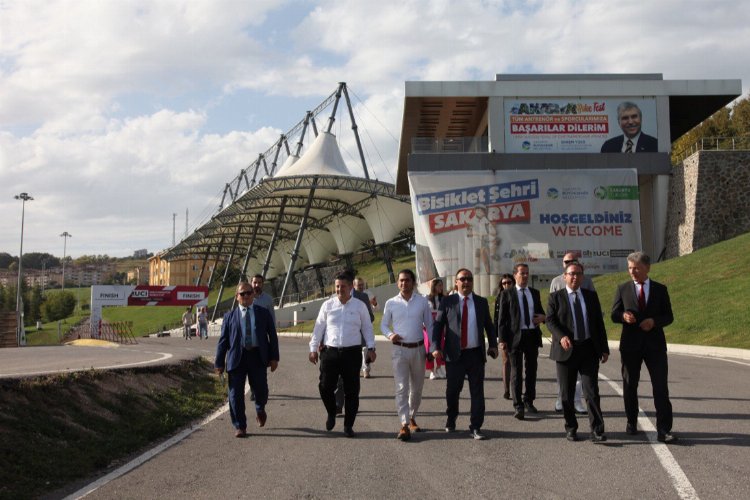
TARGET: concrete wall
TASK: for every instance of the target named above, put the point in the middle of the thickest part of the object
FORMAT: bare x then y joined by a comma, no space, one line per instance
709,200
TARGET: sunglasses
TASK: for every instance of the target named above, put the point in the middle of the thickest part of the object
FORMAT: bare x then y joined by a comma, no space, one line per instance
464,279
245,293
506,283
569,261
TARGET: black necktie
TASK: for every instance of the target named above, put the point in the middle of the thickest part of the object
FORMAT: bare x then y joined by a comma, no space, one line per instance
580,322
525,309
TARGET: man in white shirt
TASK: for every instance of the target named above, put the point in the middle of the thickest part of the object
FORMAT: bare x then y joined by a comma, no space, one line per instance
404,317
342,321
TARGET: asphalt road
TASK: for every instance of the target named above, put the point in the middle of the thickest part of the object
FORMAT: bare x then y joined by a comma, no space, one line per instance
294,457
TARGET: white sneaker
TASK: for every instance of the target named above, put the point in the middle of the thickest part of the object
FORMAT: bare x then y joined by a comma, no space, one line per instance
433,376
558,406
581,408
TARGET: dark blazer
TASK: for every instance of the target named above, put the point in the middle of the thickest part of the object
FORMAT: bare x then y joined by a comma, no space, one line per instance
658,307
645,144
366,299
560,323
449,318
230,343
508,316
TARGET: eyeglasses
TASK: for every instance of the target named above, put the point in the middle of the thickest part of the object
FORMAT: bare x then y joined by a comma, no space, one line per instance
574,273
464,279
245,293
506,283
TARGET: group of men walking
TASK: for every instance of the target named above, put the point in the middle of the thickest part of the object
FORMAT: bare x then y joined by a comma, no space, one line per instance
463,334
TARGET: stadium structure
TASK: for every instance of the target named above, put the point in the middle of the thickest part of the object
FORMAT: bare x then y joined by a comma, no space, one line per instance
299,206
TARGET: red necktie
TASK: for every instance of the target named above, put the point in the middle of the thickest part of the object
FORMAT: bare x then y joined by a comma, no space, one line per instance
465,324
642,297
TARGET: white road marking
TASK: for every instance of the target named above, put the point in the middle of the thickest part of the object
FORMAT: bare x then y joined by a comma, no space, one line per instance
162,357
680,481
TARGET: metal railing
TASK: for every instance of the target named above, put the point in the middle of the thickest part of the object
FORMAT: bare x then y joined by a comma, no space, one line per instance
450,144
740,143
120,332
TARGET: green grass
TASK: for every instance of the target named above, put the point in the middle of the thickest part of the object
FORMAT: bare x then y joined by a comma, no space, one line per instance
57,429
48,335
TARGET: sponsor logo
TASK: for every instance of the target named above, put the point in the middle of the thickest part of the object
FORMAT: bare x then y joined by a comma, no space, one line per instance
139,294
553,193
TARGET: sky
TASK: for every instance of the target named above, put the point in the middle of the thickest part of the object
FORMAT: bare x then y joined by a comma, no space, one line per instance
116,114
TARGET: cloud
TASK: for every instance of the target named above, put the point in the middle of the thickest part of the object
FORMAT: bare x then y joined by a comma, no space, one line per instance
105,106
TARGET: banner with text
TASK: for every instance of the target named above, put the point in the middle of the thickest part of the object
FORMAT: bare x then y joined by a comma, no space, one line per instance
573,125
488,221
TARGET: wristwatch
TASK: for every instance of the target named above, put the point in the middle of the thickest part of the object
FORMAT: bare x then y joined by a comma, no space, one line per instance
370,349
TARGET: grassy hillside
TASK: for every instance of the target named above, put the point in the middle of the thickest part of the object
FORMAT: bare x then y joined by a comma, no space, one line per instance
708,289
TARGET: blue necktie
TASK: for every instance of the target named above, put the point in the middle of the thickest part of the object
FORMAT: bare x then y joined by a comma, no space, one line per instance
249,333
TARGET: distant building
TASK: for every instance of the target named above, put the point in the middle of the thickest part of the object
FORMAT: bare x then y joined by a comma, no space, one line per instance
176,272
139,276
140,254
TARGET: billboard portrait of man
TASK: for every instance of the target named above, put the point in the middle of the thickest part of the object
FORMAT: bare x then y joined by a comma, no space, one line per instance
632,140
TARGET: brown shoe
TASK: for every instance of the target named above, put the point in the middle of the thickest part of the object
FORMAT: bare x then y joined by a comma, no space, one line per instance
413,427
404,434
261,418
240,433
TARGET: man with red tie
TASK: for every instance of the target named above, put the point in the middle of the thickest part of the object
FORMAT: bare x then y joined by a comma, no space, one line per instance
643,308
465,319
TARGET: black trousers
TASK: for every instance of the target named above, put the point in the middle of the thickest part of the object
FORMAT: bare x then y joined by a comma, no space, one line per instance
471,364
527,349
585,361
345,363
658,370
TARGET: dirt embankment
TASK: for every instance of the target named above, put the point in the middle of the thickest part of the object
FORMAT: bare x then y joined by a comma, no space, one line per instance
60,428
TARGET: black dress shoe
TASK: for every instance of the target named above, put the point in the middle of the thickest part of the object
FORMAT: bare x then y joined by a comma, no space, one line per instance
571,436
261,418
349,432
519,413
598,437
631,430
666,437
530,407
450,426
331,422
506,395
477,434
339,410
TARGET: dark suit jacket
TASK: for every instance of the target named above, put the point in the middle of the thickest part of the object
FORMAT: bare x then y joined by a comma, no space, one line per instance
508,316
230,343
449,318
560,323
366,299
658,307
645,144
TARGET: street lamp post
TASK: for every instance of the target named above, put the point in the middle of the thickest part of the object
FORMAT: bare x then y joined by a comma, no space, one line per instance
65,235
24,197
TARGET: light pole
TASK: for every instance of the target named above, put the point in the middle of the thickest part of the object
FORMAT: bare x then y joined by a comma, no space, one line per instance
65,235
24,197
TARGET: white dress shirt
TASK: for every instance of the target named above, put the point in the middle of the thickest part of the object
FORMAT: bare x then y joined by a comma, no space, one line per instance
530,301
342,325
571,294
473,333
406,317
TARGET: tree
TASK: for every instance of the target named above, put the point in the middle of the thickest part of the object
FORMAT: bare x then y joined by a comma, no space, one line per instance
58,306
35,301
6,259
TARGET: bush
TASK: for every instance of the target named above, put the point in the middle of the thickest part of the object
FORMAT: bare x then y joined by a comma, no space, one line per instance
58,306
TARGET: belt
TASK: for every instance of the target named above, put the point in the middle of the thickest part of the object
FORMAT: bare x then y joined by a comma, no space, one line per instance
342,349
580,342
250,348
410,345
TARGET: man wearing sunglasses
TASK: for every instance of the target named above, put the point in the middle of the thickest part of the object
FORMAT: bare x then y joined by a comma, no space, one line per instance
248,345
465,318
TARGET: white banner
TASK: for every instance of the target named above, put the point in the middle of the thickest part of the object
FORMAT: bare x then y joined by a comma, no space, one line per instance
573,125
488,221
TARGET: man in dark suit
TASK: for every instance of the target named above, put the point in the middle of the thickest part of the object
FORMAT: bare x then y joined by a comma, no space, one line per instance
520,314
465,319
248,345
579,342
633,139
643,307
